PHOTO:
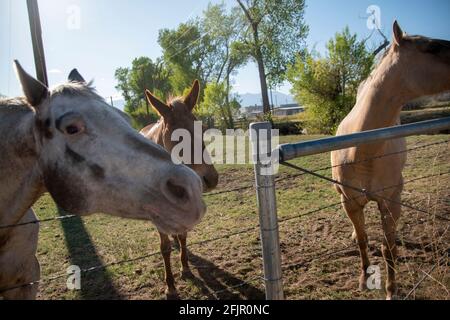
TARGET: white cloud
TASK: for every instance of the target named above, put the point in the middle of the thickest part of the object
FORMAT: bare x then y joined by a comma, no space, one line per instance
55,71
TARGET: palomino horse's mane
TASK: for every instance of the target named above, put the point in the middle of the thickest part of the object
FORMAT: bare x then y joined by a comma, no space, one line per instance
437,47
379,59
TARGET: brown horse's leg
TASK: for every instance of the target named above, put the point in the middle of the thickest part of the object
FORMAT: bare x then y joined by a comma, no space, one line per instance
166,249
182,240
356,214
390,213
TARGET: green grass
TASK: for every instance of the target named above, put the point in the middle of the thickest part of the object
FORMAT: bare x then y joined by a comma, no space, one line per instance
100,239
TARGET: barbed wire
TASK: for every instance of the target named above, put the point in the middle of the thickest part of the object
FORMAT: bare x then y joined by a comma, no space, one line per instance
376,157
293,176
358,197
327,253
202,242
427,274
365,192
242,284
250,186
127,261
324,254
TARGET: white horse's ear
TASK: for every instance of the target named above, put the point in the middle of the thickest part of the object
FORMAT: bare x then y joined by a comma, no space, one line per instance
398,34
75,76
192,98
35,91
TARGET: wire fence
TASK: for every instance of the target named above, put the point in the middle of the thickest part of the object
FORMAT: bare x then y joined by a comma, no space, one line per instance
254,228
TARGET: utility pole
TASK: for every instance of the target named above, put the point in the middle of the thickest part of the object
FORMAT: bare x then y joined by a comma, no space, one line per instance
36,37
271,99
143,90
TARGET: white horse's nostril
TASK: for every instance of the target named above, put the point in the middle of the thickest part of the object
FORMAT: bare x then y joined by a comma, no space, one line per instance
177,191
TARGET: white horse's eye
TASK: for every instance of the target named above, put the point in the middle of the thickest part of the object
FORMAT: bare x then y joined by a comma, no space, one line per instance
71,124
72,130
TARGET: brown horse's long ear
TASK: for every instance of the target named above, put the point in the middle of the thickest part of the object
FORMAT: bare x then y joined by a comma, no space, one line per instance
398,34
192,98
160,107
35,91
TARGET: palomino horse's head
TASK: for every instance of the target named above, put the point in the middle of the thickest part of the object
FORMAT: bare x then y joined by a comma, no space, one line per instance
424,62
178,114
91,160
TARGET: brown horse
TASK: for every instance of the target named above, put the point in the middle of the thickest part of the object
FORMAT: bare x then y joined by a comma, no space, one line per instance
177,114
414,66
67,141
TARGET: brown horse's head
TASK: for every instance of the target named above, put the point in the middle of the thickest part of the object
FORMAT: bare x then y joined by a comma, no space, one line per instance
176,114
424,62
91,160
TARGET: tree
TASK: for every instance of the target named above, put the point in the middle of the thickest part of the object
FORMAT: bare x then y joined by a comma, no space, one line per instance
275,34
225,28
132,83
327,86
204,49
218,104
187,51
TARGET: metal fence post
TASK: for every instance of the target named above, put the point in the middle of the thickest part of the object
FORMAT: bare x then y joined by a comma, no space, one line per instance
260,135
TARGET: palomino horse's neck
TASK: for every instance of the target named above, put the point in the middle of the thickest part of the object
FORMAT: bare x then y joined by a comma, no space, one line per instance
380,102
20,177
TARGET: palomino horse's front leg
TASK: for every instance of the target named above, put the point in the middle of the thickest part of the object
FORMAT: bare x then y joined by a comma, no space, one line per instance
182,240
390,213
166,249
356,214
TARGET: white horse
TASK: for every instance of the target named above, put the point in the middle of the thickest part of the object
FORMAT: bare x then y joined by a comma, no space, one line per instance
67,141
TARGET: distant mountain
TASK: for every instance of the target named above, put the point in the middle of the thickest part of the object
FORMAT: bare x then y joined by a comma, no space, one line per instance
251,99
247,100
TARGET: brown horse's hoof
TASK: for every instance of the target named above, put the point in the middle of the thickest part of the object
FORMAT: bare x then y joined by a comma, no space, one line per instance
363,282
172,295
187,274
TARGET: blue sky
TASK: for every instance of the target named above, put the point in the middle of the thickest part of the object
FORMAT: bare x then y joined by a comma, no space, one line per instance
113,32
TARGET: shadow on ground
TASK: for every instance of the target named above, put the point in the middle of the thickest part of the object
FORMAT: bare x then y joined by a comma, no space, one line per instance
83,253
216,283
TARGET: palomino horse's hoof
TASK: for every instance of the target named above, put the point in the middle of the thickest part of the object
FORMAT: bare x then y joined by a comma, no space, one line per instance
392,297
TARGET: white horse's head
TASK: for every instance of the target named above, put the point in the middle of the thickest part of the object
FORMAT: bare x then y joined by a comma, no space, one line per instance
91,160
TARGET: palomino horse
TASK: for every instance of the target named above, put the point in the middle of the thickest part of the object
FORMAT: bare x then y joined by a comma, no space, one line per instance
414,66
69,142
177,114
